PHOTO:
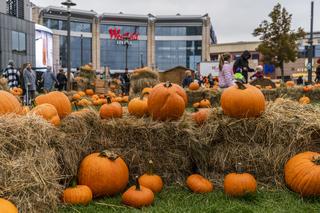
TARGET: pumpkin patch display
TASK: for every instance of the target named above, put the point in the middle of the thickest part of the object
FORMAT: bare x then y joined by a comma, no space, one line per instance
48,112
200,116
138,196
105,173
151,180
111,110
167,102
243,101
194,86
239,184
9,103
77,194
302,174
199,184
138,106
7,207
59,100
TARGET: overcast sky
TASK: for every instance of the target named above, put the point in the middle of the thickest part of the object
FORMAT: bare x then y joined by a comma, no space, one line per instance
233,20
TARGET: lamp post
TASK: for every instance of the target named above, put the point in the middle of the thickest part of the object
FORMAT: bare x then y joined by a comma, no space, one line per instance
68,4
126,44
310,52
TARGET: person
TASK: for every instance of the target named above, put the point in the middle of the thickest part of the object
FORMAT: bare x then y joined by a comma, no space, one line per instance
29,79
241,65
226,78
187,79
300,80
12,75
211,82
317,80
62,80
258,74
125,82
48,79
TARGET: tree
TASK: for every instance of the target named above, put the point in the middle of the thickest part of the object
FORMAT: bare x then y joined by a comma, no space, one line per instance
279,43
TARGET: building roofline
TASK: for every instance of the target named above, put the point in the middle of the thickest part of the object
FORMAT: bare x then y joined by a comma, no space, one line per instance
74,11
237,43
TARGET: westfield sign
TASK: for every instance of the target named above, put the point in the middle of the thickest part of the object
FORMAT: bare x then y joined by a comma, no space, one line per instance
116,34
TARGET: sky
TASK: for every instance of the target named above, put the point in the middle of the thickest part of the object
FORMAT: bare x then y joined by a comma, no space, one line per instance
232,20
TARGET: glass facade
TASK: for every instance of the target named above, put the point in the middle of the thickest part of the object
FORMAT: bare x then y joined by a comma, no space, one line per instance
56,24
112,54
178,53
178,31
76,51
18,42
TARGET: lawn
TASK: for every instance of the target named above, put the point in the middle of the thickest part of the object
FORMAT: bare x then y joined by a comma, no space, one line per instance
178,199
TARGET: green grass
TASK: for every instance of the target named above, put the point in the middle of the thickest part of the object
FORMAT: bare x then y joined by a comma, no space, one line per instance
178,199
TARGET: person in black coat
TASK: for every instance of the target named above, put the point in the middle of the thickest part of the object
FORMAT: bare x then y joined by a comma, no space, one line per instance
241,65
187,80
62,80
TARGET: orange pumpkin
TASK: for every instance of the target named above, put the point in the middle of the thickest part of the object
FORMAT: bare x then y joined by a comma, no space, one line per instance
16,91
151,180
89,92
239,184
84,103
77,194
199,184
317,86
243,101
200,116
304,100
95,97
125,99
138,106
76,97
105,173
302,174
111,110
81,93
9,103
205,103
167,102
146,91
194,86
48,112
196,105
7,207
25,110
307,88
59,100
102,96
290,84
138,196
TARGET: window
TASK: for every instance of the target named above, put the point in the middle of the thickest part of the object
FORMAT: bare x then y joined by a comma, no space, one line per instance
19,42
255,56
179,31
62,25
317,51
80,27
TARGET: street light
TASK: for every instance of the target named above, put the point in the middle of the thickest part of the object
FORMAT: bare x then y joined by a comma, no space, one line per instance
69,4
126,43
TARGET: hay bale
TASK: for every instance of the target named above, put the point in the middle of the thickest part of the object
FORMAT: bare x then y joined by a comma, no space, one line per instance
29,170
142,78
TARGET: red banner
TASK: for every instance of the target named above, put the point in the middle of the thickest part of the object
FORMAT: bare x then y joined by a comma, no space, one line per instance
116,35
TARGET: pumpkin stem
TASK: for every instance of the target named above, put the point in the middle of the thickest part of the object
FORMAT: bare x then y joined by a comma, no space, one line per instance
109,99
109,154
316,159
73,182
143,94
240,85
239,168
168,84
138,188
150,167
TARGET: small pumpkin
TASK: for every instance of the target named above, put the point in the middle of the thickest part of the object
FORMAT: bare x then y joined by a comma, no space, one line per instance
199,184
9,103
317,86
111,110
76,97
125,99
304,100
95,97
59,100
105,173
48,112
307,88
239,184
167,102
89,92
138,196
84,103
151,180
205,103
290,84
16,91
302,174
243,101
200,116
77,194
81,93
138,106
7,207
196,105
102,96
194,86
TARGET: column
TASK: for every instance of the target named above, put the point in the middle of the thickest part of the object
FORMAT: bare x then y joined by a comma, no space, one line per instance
151,42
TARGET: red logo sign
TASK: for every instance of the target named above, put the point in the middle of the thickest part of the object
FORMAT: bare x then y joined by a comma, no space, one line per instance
116,35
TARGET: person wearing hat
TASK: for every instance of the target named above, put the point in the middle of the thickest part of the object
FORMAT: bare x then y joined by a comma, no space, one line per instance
12,75
188,79
241,65
258,74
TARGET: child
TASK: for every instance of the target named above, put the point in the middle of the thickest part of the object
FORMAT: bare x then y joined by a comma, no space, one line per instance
225,71
258,74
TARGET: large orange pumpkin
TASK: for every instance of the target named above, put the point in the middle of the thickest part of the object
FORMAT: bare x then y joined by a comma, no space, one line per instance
167,102
9,103
111,110
59,100
138,106
243,101
302,174
105,173
199,184
48,112
7,207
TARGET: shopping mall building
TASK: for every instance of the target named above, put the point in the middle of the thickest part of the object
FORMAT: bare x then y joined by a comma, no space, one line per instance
161,42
